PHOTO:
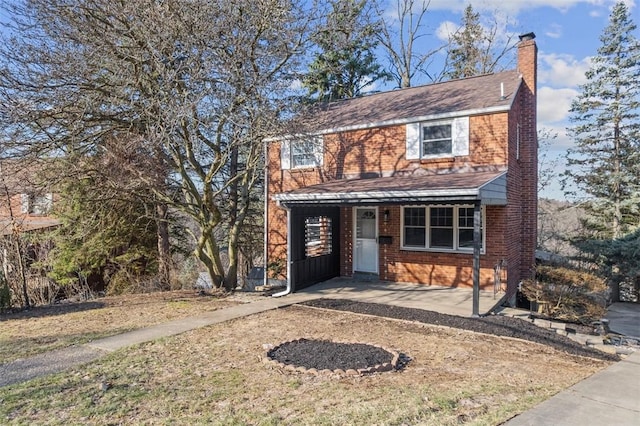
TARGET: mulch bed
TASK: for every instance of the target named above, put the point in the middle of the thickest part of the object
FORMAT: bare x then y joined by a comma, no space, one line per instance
327,355
497,325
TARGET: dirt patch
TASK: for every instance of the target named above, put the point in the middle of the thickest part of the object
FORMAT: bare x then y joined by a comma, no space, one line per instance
496,325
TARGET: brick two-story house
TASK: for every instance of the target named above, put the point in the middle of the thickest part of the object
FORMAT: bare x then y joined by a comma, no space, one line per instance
24,204
433,185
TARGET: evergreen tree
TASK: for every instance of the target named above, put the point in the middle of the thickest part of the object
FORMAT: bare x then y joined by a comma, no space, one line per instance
107,236
474,49
605,163
345,64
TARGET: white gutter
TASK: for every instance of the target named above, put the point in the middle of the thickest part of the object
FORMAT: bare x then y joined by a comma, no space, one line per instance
289,244
357,196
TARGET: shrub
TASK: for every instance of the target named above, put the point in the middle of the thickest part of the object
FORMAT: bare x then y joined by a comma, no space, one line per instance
568,294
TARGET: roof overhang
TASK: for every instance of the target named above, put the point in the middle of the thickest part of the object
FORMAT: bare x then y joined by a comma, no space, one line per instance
26,224
490,188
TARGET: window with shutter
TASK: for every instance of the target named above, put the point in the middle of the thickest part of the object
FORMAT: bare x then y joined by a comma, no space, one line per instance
302,153
436,139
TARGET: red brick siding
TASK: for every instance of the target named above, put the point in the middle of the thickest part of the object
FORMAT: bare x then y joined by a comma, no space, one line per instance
436,268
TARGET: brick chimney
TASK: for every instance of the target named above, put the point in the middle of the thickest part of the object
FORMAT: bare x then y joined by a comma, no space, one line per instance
528,60
528,162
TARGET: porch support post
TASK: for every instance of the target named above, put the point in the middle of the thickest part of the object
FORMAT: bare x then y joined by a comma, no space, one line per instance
289,251
477,246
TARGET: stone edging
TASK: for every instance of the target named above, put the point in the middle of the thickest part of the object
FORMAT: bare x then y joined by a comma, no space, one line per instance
379,368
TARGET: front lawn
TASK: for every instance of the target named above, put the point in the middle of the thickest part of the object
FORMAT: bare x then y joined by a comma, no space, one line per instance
215,375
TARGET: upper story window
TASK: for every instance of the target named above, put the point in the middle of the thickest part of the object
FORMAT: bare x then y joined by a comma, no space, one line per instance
36,204
446,228
302,153
438,139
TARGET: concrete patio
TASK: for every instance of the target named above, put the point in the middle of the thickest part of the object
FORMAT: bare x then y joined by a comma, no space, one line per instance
445,300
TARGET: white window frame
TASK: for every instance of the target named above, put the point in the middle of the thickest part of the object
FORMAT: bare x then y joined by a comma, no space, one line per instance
312,148
456,229
36,204
422,139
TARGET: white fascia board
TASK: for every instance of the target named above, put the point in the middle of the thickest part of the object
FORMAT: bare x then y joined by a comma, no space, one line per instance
377,195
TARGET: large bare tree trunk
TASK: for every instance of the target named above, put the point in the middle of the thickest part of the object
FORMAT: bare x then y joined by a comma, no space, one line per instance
165,263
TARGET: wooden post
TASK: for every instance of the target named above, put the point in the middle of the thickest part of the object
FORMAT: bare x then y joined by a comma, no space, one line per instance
477,246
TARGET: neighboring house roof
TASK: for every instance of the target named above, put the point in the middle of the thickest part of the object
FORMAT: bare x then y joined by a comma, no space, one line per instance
488,187
27,224
474,95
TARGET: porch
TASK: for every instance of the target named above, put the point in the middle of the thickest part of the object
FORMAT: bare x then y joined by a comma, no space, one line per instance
445,300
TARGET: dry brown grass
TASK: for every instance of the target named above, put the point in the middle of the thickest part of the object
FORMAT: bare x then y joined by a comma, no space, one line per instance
46,328
215,375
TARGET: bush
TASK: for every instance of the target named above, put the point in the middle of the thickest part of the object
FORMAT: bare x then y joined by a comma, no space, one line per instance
568,294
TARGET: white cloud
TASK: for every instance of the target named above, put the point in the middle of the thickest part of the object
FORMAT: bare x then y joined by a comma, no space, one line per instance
446,29
561,141
554,104
561,70
554,31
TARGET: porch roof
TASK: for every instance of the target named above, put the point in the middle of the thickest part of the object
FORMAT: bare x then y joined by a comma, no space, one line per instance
490,188
27,224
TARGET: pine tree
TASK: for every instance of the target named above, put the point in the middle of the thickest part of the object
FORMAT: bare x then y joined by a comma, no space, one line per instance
475,50
345,64
605,163
467,57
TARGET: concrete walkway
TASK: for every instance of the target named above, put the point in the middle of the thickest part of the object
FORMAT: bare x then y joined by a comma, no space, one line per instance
25,369
611,396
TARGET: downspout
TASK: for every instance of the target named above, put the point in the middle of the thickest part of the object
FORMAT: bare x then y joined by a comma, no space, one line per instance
477,246
289,246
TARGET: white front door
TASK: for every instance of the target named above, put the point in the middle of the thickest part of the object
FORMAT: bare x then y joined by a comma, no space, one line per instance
365,258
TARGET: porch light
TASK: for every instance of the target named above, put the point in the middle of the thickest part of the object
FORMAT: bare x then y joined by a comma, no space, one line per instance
387,214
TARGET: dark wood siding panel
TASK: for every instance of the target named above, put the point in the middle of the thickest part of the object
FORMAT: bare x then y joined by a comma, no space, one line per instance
306,271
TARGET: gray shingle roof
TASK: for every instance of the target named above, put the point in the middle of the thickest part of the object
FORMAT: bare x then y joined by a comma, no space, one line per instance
488,187
470,94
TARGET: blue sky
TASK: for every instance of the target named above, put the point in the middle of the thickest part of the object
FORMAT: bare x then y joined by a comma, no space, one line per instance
567,34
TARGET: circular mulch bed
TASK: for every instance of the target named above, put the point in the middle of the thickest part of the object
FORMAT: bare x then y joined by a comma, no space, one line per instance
325,356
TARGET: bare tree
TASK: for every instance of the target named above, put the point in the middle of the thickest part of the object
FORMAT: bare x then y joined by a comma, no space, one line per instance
399,37
12,245
199,84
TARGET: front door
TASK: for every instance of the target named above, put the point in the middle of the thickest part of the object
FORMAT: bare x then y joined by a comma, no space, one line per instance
366,241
